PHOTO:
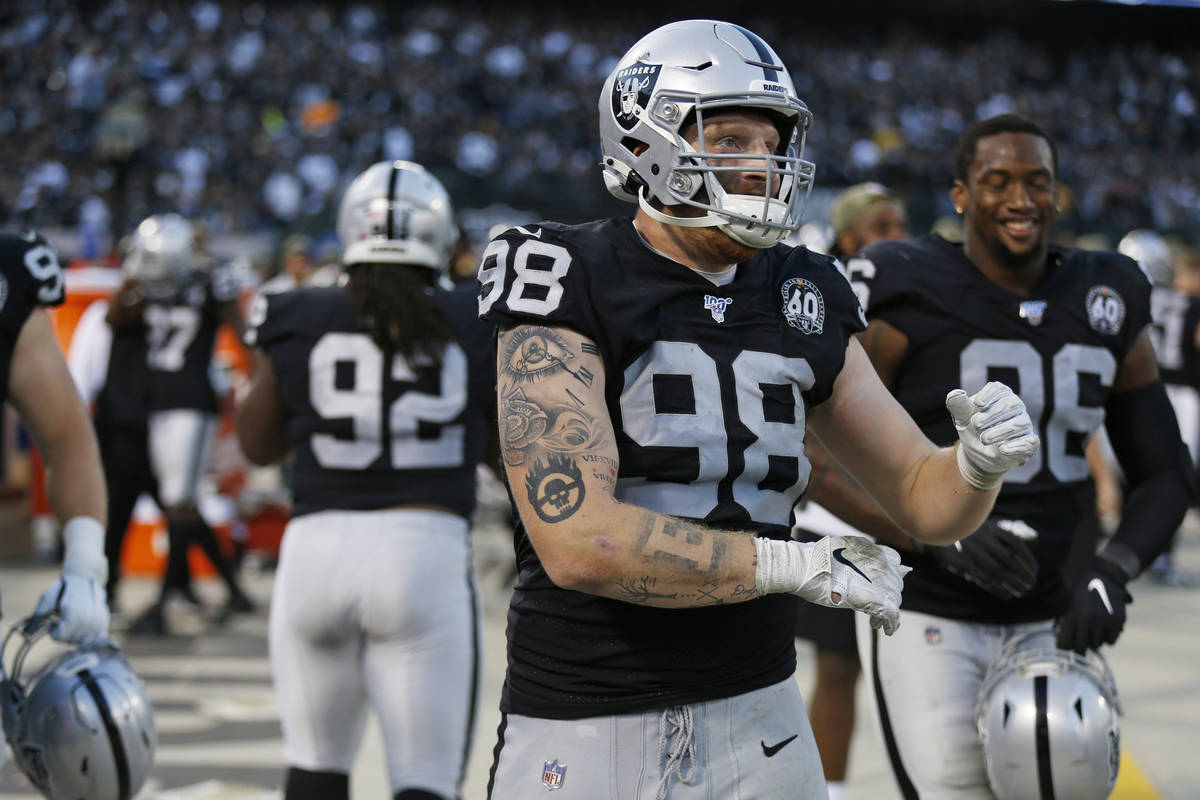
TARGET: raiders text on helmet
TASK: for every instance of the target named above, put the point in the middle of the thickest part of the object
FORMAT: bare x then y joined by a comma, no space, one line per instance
161,254
396,212
82,726
686,72
1048,722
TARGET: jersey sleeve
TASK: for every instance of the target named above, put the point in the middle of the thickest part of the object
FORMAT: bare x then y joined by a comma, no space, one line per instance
843,317
1137,287
269,319
535,275
32,273
880,279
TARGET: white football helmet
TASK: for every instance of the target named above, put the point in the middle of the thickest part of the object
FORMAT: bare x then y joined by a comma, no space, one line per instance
396,212
1152,252
679,74
1048,722
161,254
82,726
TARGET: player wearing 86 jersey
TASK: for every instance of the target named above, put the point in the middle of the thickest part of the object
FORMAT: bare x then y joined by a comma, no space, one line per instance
382,388
1068,328
656,379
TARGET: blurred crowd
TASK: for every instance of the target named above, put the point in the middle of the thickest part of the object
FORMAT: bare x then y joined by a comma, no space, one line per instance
252,116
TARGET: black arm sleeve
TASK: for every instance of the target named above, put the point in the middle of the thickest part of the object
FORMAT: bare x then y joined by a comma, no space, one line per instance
1145,437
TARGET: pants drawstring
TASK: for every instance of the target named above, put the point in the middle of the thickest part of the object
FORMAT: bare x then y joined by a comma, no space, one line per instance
677,728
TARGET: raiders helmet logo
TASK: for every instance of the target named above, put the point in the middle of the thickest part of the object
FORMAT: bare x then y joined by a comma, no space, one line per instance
631,90
1105,310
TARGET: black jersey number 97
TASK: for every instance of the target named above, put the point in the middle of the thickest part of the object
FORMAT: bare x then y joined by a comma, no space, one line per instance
363,404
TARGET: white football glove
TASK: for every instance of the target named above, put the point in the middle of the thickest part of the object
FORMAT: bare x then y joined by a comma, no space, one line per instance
836,571
995,433
78,595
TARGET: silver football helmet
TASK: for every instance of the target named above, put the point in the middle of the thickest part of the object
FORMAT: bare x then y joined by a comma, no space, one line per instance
161,254
680,74
82,726
1048,722
1152,252
396,212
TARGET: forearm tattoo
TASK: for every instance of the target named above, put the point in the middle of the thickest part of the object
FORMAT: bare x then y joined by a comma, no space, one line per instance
688,548
561,423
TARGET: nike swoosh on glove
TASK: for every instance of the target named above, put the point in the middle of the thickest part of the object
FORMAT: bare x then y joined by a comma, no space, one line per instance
838,572
78,595
1096,613
995,433
993,558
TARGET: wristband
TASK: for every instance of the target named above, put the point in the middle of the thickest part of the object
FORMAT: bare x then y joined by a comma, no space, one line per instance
985,481
83,546
778,570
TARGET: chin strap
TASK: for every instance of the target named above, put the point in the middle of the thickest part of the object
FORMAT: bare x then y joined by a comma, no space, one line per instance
707,221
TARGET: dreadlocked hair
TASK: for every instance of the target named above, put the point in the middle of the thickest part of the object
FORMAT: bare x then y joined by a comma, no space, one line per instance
395,305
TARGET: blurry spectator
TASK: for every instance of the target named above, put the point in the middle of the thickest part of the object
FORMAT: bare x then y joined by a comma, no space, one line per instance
865,213
295,265
141,90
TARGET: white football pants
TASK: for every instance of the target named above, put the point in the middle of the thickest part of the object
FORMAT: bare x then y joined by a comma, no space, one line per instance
925,681
179,441
377,609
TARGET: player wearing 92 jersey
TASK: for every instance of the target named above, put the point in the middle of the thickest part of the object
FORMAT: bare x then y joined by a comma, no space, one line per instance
1068,328
656,380
382,388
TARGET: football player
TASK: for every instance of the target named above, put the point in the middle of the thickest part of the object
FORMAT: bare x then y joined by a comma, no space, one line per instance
860,215
35,379
383,389
657,376
181,302
1175,332
1069,329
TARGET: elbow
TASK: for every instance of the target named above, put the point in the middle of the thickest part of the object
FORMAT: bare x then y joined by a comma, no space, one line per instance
579,561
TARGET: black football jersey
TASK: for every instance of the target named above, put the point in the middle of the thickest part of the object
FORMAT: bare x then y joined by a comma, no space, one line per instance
368,434
708,389
1058,349
181,332
30,276
1175,316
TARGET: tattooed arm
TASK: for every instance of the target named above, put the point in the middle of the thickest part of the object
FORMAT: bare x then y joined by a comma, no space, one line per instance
560,453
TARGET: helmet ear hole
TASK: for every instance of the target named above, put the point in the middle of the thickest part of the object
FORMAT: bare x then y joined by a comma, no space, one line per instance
634,146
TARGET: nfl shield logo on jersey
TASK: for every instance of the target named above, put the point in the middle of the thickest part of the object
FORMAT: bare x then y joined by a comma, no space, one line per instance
1032,310
717,306
553,774
803,305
